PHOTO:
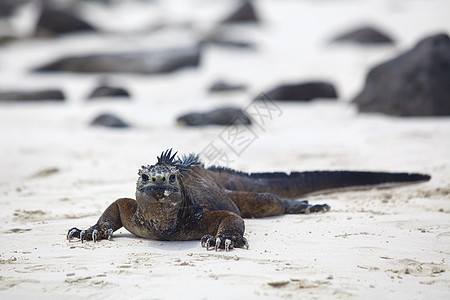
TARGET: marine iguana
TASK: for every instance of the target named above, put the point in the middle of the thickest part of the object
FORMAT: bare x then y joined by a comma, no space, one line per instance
179,199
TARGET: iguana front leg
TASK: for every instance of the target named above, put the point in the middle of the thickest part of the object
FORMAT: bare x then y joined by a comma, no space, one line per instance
224,229
118,214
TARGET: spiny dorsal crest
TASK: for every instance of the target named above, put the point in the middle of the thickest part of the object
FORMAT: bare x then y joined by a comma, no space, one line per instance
188,160
168,159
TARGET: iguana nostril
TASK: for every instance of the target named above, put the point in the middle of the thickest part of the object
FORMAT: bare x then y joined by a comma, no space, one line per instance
153,179
164,179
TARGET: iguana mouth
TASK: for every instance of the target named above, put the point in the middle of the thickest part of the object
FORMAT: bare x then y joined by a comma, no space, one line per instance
158,191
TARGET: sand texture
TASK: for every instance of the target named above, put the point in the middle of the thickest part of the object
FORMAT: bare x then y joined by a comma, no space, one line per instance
57,172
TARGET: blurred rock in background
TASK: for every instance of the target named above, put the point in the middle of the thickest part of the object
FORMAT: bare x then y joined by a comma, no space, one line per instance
9,7
220,116
416,83
158,61
300,92
32,95
109,91
225,86
54,22
109,120
244,12
366,35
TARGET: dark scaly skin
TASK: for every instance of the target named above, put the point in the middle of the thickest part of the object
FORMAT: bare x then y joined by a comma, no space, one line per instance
178,199
298,184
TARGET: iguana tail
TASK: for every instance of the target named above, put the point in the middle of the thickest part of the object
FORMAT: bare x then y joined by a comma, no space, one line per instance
297,184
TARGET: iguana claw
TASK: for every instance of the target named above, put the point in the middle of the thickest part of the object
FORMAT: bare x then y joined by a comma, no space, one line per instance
82,235
223,242
217,244
110,234
204,240
319,208
90,234
246,245
228,244
208,240
72,232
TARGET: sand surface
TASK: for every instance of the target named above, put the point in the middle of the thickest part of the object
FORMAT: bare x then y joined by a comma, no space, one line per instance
56,172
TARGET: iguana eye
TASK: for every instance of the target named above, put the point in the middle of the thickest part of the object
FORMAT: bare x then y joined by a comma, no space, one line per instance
144,177
172,178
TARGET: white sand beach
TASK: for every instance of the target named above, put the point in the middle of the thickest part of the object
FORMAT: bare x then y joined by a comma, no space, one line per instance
57,172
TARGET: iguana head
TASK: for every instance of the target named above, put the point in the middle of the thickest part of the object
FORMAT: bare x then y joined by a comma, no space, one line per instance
161,181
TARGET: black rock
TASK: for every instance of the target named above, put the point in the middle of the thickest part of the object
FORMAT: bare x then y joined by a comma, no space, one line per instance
6,39
245,12
8,32
108,91
221,39
222,86
32,96
365,35
8,7
416,83
220,116
109,120
53,22
300,92
161,61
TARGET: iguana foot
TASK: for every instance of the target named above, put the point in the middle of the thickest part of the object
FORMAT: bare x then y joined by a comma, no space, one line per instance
89,234
319,208
223,242
303,207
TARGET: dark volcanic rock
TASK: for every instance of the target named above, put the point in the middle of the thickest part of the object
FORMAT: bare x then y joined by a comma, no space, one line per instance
221,39
32,96
365,35
8,32
301,92
56,22
108,91
6,39
245,12
161,61
417,83
8,7
220,116
222,86
109,120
